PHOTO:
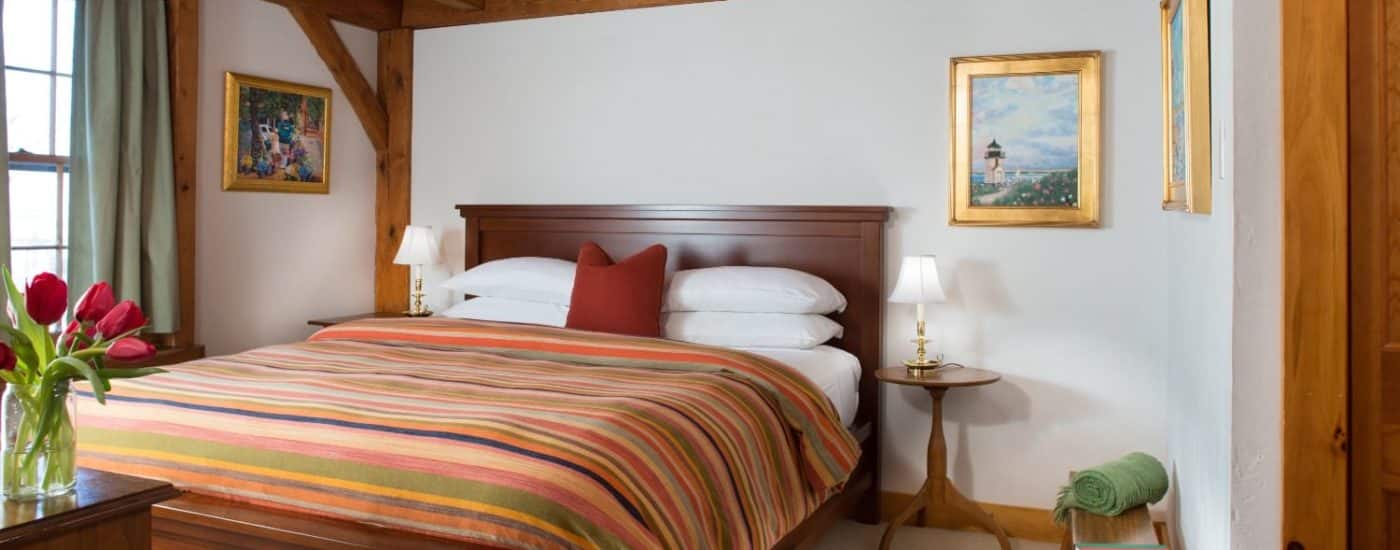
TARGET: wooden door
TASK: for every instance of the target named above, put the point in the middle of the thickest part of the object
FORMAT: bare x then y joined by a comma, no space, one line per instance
1374,76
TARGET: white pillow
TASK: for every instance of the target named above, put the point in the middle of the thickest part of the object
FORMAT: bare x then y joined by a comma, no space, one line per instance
758,330
544,280
509,311
752,290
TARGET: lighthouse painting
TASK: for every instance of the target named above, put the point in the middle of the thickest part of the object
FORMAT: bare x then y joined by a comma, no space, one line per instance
1026,139
1025,136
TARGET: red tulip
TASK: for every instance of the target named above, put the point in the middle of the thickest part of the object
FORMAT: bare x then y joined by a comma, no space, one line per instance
125,317
46,298
70,334
130,349
95,303
7,358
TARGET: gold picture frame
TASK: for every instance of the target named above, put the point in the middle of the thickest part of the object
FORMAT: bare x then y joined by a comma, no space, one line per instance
1040,167
1186,161
276,136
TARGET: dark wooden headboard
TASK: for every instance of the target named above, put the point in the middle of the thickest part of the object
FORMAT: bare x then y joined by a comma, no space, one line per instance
842,244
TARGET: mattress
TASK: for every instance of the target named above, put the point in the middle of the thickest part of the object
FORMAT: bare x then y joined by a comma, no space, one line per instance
508,435
833,370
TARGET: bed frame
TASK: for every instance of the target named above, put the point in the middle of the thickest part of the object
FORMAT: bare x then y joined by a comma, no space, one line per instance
842,244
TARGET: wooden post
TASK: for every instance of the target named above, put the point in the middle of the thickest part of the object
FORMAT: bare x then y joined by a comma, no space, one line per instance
1315,287
182,39
392,192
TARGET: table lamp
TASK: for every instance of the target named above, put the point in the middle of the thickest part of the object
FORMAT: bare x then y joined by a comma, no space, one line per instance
419,248
918,284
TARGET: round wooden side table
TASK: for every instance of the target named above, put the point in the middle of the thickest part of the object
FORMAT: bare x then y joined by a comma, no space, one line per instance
938,490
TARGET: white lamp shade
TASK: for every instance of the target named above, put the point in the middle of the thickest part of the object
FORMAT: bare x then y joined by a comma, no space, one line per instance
419,246
918,282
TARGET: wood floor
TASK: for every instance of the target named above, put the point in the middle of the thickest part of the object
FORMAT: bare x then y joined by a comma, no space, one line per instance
848,535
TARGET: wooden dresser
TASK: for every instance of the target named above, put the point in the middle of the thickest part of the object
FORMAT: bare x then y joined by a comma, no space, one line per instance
108,512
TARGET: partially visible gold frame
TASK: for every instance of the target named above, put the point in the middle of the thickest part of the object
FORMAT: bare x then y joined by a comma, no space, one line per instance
232,181
1088,66
1194,194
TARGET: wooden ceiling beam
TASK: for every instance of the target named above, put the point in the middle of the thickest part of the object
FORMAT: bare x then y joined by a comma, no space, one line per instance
347,74
425,14
371,14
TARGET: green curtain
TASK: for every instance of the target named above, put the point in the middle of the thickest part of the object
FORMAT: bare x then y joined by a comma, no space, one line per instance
122,221
4,159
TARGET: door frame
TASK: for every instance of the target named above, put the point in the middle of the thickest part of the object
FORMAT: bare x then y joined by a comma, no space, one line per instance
1315,419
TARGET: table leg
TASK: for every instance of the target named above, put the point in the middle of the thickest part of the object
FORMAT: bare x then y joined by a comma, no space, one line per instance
937,456
914,505
953,497
941,489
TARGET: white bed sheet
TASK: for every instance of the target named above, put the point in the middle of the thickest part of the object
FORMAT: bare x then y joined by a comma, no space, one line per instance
834,370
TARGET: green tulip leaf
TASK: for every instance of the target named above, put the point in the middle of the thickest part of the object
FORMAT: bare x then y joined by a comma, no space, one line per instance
13,295
24,349
86,371
46,419
129,373
38,334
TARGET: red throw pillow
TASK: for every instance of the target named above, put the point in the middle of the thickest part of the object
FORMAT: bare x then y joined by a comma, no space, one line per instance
621,298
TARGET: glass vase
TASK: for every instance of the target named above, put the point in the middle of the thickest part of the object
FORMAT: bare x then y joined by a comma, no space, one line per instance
31,471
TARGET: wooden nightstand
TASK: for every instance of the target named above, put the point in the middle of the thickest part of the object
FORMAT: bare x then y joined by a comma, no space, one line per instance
938,490
332,321
108,512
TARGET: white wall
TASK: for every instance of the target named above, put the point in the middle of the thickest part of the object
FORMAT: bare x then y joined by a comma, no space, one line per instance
1200,312
841,102
1256,469
1225,303
267,262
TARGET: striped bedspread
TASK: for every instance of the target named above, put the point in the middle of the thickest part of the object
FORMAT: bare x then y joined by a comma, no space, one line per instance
503,435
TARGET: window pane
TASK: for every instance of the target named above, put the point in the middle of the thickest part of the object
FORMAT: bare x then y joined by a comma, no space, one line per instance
28,263
33,208
63,227
27,111
27,40
63,111
65,36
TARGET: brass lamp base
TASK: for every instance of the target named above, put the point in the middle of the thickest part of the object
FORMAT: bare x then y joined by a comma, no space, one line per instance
922,364
922,367
418,310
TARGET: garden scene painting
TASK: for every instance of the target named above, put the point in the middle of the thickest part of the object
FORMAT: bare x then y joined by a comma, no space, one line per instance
1025,141
276,136
1177,107
1186,126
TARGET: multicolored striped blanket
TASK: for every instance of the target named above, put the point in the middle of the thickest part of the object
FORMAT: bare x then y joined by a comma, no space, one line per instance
504,435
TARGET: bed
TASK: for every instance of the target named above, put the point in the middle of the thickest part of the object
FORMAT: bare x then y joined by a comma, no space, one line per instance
656,444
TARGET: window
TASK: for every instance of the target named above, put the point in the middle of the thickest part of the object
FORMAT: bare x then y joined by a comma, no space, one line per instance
38,105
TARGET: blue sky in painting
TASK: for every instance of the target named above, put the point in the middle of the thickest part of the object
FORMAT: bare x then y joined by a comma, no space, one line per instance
1035,118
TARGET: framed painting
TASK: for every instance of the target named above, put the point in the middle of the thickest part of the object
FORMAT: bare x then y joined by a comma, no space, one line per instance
276,136
1025,144
1186,166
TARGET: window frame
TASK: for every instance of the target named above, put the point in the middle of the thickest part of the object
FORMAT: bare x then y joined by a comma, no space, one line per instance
22,160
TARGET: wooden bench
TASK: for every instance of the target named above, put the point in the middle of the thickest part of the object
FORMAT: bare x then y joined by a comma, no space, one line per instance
1133,527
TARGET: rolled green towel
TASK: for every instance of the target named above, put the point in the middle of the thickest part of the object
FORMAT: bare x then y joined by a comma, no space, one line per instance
1112,488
